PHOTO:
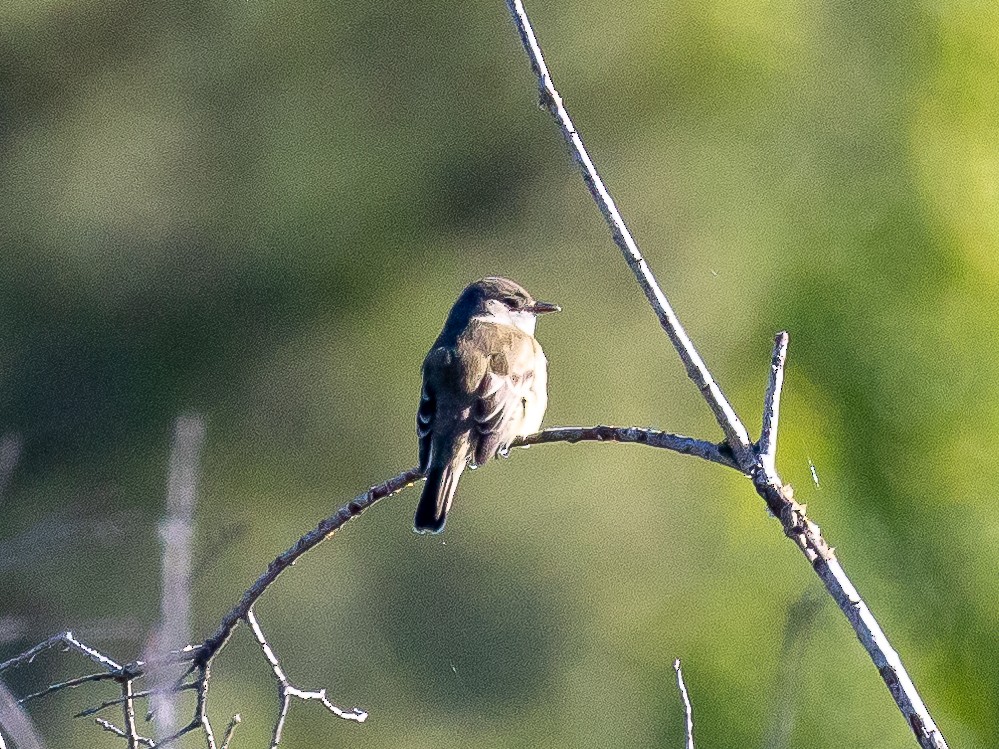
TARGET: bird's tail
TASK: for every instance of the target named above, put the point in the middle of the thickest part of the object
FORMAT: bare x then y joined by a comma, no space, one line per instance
435,501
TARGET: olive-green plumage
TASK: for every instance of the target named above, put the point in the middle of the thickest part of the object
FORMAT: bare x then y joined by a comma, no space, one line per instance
485,383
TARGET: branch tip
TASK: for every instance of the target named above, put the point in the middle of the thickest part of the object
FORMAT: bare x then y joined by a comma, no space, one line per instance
687,709
766,448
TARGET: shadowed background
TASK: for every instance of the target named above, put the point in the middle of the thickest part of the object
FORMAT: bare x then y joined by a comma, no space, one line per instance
262,211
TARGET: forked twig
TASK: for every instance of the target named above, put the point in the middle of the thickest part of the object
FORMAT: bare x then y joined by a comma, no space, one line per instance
286,690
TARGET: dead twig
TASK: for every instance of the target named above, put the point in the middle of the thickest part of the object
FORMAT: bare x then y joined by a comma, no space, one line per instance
687,710
286,690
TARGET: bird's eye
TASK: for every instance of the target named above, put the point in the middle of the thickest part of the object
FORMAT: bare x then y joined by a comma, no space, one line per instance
511,302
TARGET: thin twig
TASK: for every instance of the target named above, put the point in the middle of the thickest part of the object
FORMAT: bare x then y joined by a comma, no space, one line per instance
687,711
230,730
767,447
112,728
202,706
63,638
136,695
286,690
326,528
69,684
765,478
128,710
200,719
735,433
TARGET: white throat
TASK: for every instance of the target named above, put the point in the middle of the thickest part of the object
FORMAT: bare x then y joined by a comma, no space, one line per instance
525,321
499,314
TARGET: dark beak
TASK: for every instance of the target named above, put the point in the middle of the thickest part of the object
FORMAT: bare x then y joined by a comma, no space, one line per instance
542,308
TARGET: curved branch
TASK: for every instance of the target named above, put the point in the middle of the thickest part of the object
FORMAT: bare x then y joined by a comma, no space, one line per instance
677,443
200,657
328,526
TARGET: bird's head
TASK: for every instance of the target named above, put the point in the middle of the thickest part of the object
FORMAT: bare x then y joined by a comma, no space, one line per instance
500,300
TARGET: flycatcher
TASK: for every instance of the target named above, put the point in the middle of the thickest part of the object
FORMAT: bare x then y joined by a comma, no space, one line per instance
485,383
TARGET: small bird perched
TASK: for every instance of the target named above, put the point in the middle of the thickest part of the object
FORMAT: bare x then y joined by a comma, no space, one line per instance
485,383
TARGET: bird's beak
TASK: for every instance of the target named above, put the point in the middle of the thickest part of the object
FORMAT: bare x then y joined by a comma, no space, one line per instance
542,308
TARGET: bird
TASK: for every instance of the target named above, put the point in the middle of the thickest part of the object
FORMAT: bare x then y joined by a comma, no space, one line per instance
485,383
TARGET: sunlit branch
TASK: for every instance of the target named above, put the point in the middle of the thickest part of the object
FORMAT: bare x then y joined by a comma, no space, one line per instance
286,690
767,447
735,433
766,480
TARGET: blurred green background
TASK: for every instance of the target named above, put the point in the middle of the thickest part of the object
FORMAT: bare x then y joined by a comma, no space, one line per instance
262,211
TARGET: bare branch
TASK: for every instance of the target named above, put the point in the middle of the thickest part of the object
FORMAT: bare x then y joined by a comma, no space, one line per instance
70,642
687,711
735,433
653,438
119,700
202,707
808,537
200,719
112,728
767,447
286,690
69,684
128,709
326,528
768,483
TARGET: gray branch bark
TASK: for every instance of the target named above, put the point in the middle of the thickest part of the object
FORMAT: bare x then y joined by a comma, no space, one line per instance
751,461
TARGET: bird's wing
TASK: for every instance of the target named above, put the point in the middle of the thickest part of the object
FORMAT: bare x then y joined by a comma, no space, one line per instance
500,400
437,360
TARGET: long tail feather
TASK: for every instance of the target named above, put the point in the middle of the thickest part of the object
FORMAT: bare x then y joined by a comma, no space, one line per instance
435,501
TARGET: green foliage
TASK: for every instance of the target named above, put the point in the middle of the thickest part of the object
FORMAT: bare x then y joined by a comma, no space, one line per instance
262,211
